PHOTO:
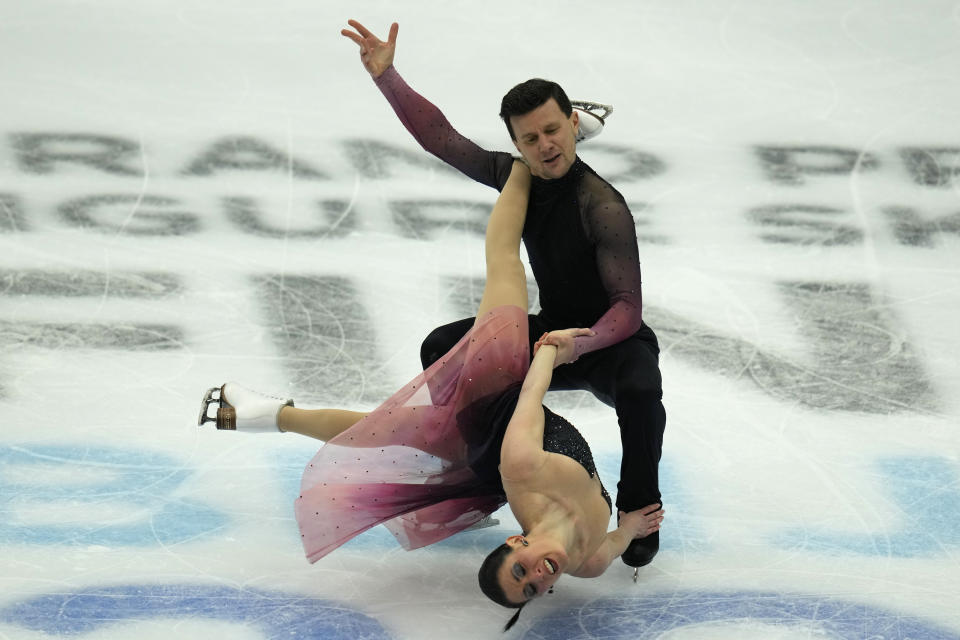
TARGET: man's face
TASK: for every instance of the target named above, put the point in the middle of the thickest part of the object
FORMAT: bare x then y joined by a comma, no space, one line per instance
546,139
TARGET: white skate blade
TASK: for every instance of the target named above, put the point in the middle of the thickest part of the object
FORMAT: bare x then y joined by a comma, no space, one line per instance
592,117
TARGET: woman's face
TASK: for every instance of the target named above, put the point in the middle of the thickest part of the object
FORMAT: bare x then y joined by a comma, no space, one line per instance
530,570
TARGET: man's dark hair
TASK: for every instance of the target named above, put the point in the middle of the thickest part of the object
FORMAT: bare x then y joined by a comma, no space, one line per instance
527,96
490,585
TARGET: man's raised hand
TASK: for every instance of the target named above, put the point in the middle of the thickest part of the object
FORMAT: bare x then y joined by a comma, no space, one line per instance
375,54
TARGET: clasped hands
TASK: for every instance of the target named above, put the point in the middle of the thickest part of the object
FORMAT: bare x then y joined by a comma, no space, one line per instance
563,340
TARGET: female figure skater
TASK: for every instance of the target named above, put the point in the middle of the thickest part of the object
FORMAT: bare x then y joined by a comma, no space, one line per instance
459,440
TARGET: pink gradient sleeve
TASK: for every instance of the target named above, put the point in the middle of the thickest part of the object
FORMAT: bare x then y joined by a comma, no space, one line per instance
618,262
431,129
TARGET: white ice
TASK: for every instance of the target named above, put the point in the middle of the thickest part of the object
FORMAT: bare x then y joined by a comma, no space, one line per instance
811,468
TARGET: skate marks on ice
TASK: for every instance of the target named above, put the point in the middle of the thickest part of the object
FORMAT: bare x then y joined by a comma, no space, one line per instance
176,212
805,224
115,476
934,169
30,288
129,497
677,616
792,165
925,492
746,615
97,284
115,497
275,614
44,153
325,338
859,359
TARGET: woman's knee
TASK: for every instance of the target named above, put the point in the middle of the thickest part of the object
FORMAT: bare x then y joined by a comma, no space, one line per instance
442,339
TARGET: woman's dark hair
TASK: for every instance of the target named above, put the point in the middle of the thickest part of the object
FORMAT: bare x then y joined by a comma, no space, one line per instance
527,96
490,585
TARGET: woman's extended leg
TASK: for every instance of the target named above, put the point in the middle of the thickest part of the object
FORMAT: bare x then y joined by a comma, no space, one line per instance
506,284
242,409
322,424
506,279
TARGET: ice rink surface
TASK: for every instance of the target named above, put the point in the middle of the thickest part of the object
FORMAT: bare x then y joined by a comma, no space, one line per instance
196,192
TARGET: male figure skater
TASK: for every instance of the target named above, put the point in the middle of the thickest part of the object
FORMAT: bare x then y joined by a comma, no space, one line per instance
582,245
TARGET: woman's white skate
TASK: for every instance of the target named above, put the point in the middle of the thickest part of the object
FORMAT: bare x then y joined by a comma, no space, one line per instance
593,115
241,409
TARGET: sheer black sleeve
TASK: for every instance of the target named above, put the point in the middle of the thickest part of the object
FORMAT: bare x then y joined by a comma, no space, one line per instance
610,226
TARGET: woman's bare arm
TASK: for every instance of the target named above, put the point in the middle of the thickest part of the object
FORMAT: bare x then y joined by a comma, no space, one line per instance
636,524
522,454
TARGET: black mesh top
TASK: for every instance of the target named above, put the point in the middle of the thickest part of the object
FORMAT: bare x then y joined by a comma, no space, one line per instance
579,233
488,420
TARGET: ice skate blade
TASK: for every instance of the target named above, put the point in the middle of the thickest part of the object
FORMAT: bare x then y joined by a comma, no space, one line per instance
226,416
636,573
488,521
208,399
592,108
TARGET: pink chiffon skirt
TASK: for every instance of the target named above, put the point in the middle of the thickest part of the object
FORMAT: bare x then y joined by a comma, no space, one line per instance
424,462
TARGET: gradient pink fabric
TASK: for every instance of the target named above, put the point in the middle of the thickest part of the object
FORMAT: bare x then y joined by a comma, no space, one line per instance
407,464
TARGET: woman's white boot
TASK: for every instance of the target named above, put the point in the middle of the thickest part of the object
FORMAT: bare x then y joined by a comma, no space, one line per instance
242,409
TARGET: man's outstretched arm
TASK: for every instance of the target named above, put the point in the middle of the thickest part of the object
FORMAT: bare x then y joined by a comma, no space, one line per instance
425,122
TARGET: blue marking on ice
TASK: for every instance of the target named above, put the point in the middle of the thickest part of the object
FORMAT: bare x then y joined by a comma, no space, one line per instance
653,615
146,481
927,492
276,614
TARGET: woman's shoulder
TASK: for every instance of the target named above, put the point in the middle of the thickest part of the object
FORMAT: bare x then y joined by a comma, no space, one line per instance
555,476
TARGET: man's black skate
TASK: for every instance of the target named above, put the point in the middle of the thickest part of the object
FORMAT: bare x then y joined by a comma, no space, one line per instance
640,552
